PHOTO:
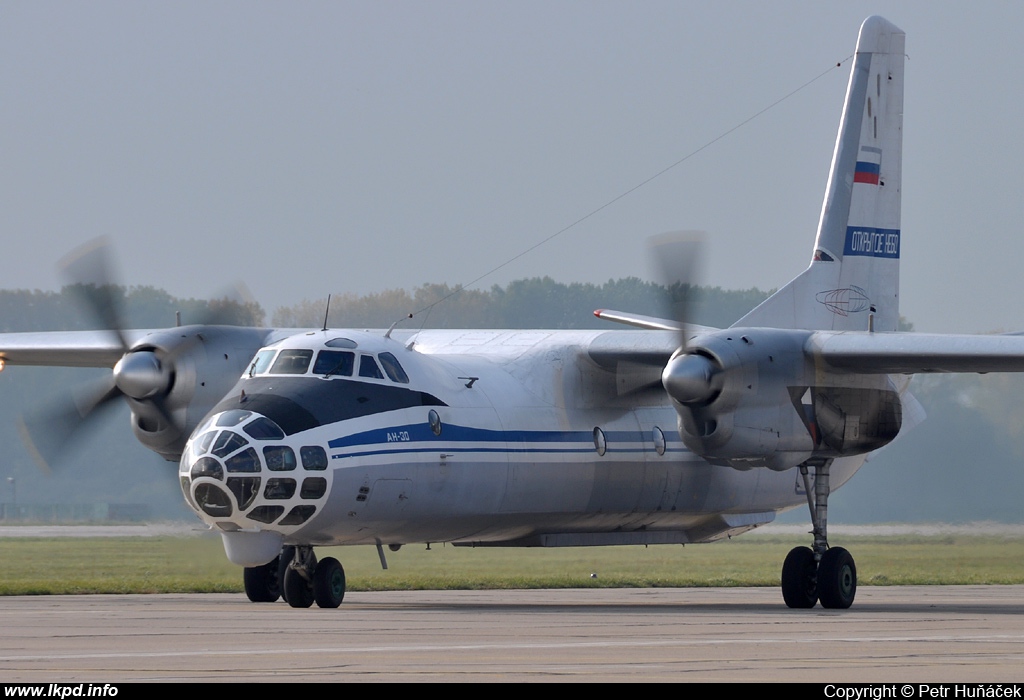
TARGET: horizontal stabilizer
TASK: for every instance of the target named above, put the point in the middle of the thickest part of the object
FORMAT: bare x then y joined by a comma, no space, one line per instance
651,323
914,353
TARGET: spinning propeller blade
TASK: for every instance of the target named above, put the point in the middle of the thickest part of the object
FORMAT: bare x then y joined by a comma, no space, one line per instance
141,375
689,378
675,258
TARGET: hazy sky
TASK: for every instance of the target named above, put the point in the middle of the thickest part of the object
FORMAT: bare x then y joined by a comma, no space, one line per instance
315,147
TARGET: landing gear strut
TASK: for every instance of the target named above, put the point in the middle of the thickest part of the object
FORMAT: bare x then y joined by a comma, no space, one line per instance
823,574
305,580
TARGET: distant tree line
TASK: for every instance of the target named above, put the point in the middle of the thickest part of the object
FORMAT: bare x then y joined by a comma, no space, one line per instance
139,307
538,302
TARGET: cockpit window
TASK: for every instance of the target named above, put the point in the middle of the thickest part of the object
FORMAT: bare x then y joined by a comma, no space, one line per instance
263,429
200,446
393,369
280,458
227,443
261,362
245,461
334,363
314,458
368,367
231,418
292,362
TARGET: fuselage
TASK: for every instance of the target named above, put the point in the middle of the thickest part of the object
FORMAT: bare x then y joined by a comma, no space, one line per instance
471,437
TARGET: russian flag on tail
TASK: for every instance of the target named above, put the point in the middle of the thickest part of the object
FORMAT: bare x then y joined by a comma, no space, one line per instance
869,165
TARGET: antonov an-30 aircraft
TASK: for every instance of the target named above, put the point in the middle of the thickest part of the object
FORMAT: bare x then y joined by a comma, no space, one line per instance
661,433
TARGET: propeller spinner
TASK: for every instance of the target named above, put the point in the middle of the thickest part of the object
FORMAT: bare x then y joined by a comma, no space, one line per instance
691,378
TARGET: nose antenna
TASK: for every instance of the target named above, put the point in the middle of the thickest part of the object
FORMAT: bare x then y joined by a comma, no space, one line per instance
327,311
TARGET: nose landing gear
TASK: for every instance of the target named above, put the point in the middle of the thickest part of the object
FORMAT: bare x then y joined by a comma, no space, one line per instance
299,578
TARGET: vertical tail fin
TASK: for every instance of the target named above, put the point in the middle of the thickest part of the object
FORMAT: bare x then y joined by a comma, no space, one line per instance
854,271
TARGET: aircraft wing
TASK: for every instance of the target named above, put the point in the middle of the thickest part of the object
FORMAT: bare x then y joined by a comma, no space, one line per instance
913,353
652,348
64,348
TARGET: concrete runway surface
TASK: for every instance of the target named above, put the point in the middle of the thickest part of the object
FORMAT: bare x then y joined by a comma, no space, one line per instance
893,634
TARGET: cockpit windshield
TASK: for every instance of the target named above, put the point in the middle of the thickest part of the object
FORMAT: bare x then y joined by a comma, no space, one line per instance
261,362
338,359
368,367
334,363
292,362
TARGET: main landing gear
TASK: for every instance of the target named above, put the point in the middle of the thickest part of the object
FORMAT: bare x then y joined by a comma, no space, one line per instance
823,574
299,578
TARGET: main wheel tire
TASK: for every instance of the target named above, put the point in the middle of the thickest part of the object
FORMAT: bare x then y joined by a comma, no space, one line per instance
298,591
837,579
329,583
261,582
798,578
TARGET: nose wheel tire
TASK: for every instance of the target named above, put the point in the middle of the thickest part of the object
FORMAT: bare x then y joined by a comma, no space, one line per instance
297,584
799,572
329,583
262,584
837,579
298,591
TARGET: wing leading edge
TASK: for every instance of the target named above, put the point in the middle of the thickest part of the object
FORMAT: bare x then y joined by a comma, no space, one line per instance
64,348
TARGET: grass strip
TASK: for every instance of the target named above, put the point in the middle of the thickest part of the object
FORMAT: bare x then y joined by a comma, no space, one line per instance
196,564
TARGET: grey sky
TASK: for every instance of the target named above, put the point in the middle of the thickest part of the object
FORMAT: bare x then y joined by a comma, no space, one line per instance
316,147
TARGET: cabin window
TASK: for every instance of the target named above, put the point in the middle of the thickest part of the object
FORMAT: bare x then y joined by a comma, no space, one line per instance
659,441
334,362
393,368
292,362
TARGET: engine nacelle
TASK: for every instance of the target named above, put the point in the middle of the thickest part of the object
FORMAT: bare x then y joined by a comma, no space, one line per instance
178,375
749,398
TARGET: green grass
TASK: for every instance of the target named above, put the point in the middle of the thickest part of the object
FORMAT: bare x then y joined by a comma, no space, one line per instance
197,564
